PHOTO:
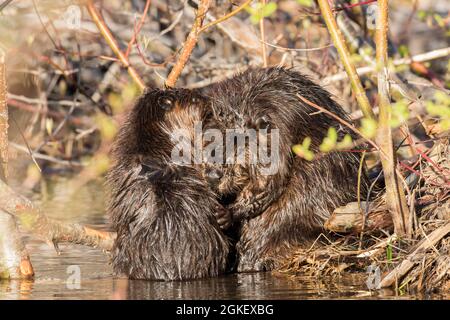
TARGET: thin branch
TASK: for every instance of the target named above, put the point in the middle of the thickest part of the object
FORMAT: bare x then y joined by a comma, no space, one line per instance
138,28
189,44
395,195
422,57
107,35
344,54
226,17
3,121
297,49
263,37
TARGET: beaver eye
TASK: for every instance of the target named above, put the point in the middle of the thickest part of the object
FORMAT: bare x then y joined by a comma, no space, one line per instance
194,100
165,102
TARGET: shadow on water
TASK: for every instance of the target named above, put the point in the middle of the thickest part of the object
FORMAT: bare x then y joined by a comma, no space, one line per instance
56,275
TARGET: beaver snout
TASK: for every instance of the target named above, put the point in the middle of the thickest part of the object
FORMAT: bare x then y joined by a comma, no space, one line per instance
213,176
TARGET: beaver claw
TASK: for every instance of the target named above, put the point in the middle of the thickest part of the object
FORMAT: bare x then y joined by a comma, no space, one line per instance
223,217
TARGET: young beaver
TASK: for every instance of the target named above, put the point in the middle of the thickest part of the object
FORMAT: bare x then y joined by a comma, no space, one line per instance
166,217
282,210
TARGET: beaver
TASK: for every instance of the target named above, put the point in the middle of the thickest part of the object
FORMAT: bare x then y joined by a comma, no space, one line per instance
276,212
163,233
168,220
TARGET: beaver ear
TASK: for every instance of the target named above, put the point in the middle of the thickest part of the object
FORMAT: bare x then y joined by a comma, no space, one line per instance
166,102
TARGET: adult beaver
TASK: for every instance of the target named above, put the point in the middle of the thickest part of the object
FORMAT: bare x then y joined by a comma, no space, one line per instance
166,216
276,212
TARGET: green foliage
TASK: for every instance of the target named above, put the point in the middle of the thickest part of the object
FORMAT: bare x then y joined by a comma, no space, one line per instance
403,50
305,3
440,108
346,143
389,252
329,142
119,101
302,150
440,21
399,113
106,126
422,14
259,11
368,128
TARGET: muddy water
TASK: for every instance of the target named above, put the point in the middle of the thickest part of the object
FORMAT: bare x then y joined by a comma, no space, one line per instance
57,276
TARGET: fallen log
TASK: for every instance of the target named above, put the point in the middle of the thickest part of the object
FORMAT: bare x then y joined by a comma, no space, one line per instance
350,218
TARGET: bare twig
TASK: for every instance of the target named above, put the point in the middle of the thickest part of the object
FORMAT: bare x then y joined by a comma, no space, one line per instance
341,47
426,56
3,120
297,49
263,37
227,16
138,28
106,33
189,44
395,195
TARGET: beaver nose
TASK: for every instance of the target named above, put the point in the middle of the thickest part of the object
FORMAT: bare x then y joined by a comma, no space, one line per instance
213,175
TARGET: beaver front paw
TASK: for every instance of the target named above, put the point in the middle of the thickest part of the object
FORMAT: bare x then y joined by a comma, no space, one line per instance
223,217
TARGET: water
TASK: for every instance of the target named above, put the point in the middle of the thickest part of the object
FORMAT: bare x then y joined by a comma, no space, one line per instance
54,274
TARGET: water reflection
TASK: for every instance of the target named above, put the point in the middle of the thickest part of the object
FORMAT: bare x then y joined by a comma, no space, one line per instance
96,281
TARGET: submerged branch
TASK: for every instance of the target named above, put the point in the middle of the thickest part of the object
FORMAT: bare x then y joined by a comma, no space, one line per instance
52,231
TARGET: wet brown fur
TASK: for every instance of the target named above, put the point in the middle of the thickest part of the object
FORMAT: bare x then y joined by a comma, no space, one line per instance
163,233
164,213
275,213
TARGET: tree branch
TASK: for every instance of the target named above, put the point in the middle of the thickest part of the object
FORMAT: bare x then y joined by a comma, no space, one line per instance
395,195
189,44
344,54
107,35
14,258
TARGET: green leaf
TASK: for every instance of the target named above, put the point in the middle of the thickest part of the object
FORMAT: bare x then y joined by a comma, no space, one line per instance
329,142
259,11
268,9
440,108
403,50
346,143
302,150
389,252
421,14
306,3
399,113
368,127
